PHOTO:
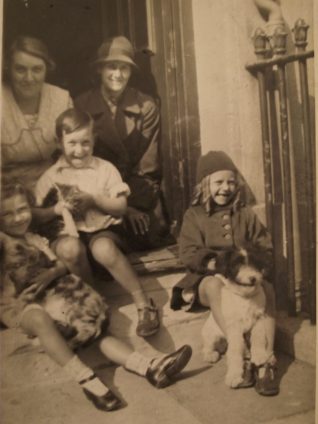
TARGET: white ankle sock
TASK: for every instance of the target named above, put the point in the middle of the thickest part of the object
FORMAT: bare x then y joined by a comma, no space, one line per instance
80,372
138,363
95,386
139,298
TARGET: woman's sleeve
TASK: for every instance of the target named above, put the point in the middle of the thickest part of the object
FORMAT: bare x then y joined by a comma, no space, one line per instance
144,182
193,252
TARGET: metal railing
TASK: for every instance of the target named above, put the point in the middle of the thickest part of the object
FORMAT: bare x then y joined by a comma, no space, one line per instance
272,59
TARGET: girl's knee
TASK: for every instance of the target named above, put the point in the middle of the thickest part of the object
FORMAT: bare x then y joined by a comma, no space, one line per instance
34,320
105,251
210,290
211,285
106,342
70,249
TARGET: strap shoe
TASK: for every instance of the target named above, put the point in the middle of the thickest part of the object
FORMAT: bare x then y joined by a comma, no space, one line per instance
108,402
160,374
266,382
148,320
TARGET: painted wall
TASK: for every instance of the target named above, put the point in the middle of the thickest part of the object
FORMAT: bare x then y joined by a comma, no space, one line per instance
229,103
228,94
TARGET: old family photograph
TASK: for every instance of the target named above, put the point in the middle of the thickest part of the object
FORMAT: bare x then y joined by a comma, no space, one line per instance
157,221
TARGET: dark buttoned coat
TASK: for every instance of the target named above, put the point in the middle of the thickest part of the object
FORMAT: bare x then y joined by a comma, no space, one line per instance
203,236
129,140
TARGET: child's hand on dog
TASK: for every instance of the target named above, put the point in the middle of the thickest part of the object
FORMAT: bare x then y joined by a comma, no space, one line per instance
211,264
28,294
37,287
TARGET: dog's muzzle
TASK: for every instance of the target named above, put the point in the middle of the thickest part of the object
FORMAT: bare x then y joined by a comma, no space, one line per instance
252,283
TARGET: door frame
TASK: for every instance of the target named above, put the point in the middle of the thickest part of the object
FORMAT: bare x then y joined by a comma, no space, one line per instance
167,58
181,145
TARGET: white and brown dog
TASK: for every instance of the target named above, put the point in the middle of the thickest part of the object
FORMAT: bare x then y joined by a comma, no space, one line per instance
243,304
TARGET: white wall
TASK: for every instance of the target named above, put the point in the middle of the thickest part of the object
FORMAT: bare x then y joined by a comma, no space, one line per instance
228,94
229,99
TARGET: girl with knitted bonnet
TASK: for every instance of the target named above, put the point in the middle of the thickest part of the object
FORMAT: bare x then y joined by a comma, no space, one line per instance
218,220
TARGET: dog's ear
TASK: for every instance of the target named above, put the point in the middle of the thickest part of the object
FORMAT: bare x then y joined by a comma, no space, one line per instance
262,260
224,262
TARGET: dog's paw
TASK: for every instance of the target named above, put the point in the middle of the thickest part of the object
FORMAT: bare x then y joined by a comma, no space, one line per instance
211,356
233,380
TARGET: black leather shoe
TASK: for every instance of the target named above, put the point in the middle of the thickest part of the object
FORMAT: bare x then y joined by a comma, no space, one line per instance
107,402
159,375
248,376
148,320
266,381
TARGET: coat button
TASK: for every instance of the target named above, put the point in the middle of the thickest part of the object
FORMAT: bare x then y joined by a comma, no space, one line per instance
226,216
227,226
227,236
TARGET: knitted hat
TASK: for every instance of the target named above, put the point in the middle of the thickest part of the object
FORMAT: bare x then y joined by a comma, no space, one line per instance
212,162
116,49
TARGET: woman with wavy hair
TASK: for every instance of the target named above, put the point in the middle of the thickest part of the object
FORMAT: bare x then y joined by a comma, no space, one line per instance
30,107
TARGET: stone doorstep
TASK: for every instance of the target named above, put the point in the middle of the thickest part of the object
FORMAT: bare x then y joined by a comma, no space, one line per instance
294,336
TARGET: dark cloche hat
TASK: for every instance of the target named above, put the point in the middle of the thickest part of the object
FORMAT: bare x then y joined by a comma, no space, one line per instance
116,49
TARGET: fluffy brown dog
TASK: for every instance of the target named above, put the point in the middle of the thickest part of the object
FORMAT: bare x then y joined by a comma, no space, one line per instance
78,310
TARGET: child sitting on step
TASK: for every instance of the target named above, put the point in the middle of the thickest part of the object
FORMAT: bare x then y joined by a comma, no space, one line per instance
36,292
98,203
218,220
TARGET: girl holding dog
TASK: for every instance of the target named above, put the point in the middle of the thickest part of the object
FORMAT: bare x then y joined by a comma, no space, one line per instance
218,220
23,307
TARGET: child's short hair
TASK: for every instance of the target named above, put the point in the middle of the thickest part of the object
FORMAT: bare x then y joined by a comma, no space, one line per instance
72,120
15,188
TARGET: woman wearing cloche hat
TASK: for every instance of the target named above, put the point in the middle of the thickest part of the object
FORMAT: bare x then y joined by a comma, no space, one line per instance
127,134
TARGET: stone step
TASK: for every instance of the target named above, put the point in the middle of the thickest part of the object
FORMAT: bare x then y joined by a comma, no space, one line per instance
294,336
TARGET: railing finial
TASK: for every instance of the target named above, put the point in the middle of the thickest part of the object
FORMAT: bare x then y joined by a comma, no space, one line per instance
300,34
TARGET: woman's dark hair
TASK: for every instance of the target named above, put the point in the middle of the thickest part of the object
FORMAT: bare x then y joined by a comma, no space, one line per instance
15,187
34,47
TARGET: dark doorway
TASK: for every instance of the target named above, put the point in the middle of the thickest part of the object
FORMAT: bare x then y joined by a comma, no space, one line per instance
162,34
72,30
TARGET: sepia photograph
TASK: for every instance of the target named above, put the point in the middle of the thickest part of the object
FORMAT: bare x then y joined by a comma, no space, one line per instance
158,212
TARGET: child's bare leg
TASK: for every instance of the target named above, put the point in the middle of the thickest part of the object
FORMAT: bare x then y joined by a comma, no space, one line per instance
266,380
72,252
157,370
115,350
269,321
38,323
106,253
210,296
